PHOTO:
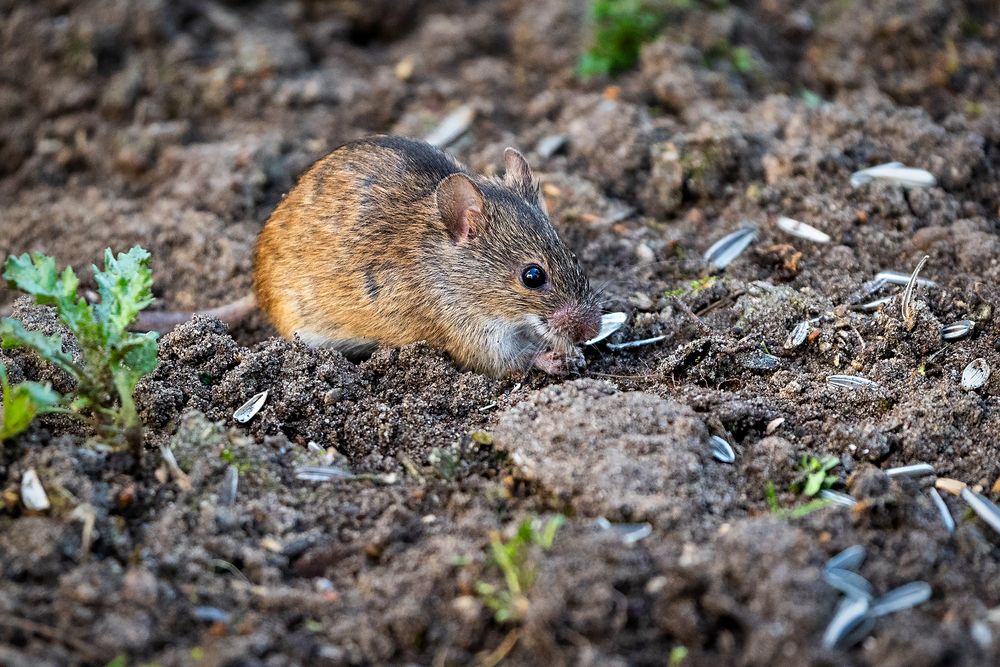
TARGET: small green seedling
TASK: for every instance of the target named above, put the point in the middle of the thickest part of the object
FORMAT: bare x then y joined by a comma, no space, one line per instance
112,359
513,557
22,402
814,475
621,27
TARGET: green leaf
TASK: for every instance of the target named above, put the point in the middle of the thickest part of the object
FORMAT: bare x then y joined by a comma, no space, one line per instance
141,352
548,536
22,402
37,276
814,483
50,348
125,287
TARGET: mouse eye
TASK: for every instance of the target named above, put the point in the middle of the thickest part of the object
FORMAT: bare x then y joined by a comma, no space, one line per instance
533,276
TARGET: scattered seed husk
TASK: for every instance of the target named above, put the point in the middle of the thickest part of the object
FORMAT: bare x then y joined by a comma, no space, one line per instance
975,374
848,559
773,425
957,330
322,473
212,615
894,172
837,498
33,493
550,145
722,450
797,335
610,323
629,533
848,582
802,230
729,247
245,412
906,305
851,382
898,278
635,343
331,473
849,625
898,599
872,306
230,484
915,470
952,486
942,508
759,361
452,127
984,507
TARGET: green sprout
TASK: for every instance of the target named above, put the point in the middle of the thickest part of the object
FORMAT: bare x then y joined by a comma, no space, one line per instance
814,475
112,359
513,558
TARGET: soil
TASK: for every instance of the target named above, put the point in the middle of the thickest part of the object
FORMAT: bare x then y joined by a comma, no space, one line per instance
178,126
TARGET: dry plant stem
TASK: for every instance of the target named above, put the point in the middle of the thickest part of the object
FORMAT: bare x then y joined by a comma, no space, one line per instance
495,656
909,314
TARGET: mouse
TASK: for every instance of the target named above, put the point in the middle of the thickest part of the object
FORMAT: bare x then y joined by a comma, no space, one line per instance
389,241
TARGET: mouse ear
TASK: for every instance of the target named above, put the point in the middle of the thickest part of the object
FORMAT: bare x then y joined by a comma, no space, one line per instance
460,204
518,176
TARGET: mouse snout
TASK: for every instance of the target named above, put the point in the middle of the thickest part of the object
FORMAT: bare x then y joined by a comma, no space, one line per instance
576,322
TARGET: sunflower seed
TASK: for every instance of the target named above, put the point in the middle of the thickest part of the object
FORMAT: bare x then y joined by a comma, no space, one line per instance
245,412
797,335
975,374
850,382
452,127
322,473
635,343
33,493
849,625
729,247
179,476
722,450
230,484
610,323
897,278
985,508
759,361
550,145
802,230
906,305
850,583
958,330
943,510
837,498
872,306
894,172
915,470
898,599
848,559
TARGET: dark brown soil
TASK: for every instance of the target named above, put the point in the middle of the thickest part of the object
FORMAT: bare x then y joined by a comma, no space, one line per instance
178,126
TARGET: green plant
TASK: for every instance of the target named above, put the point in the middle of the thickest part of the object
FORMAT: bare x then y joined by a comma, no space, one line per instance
22,402
814,475
112,359
513,558
621,27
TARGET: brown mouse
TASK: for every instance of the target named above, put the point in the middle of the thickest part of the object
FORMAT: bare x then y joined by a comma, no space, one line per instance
390,241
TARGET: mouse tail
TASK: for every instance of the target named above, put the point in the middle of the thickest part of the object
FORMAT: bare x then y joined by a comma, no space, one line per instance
163,320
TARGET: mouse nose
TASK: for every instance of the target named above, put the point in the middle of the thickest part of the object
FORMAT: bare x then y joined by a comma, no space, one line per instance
576,322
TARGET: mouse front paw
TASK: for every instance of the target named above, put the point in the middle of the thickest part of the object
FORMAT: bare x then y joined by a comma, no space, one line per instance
559,363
